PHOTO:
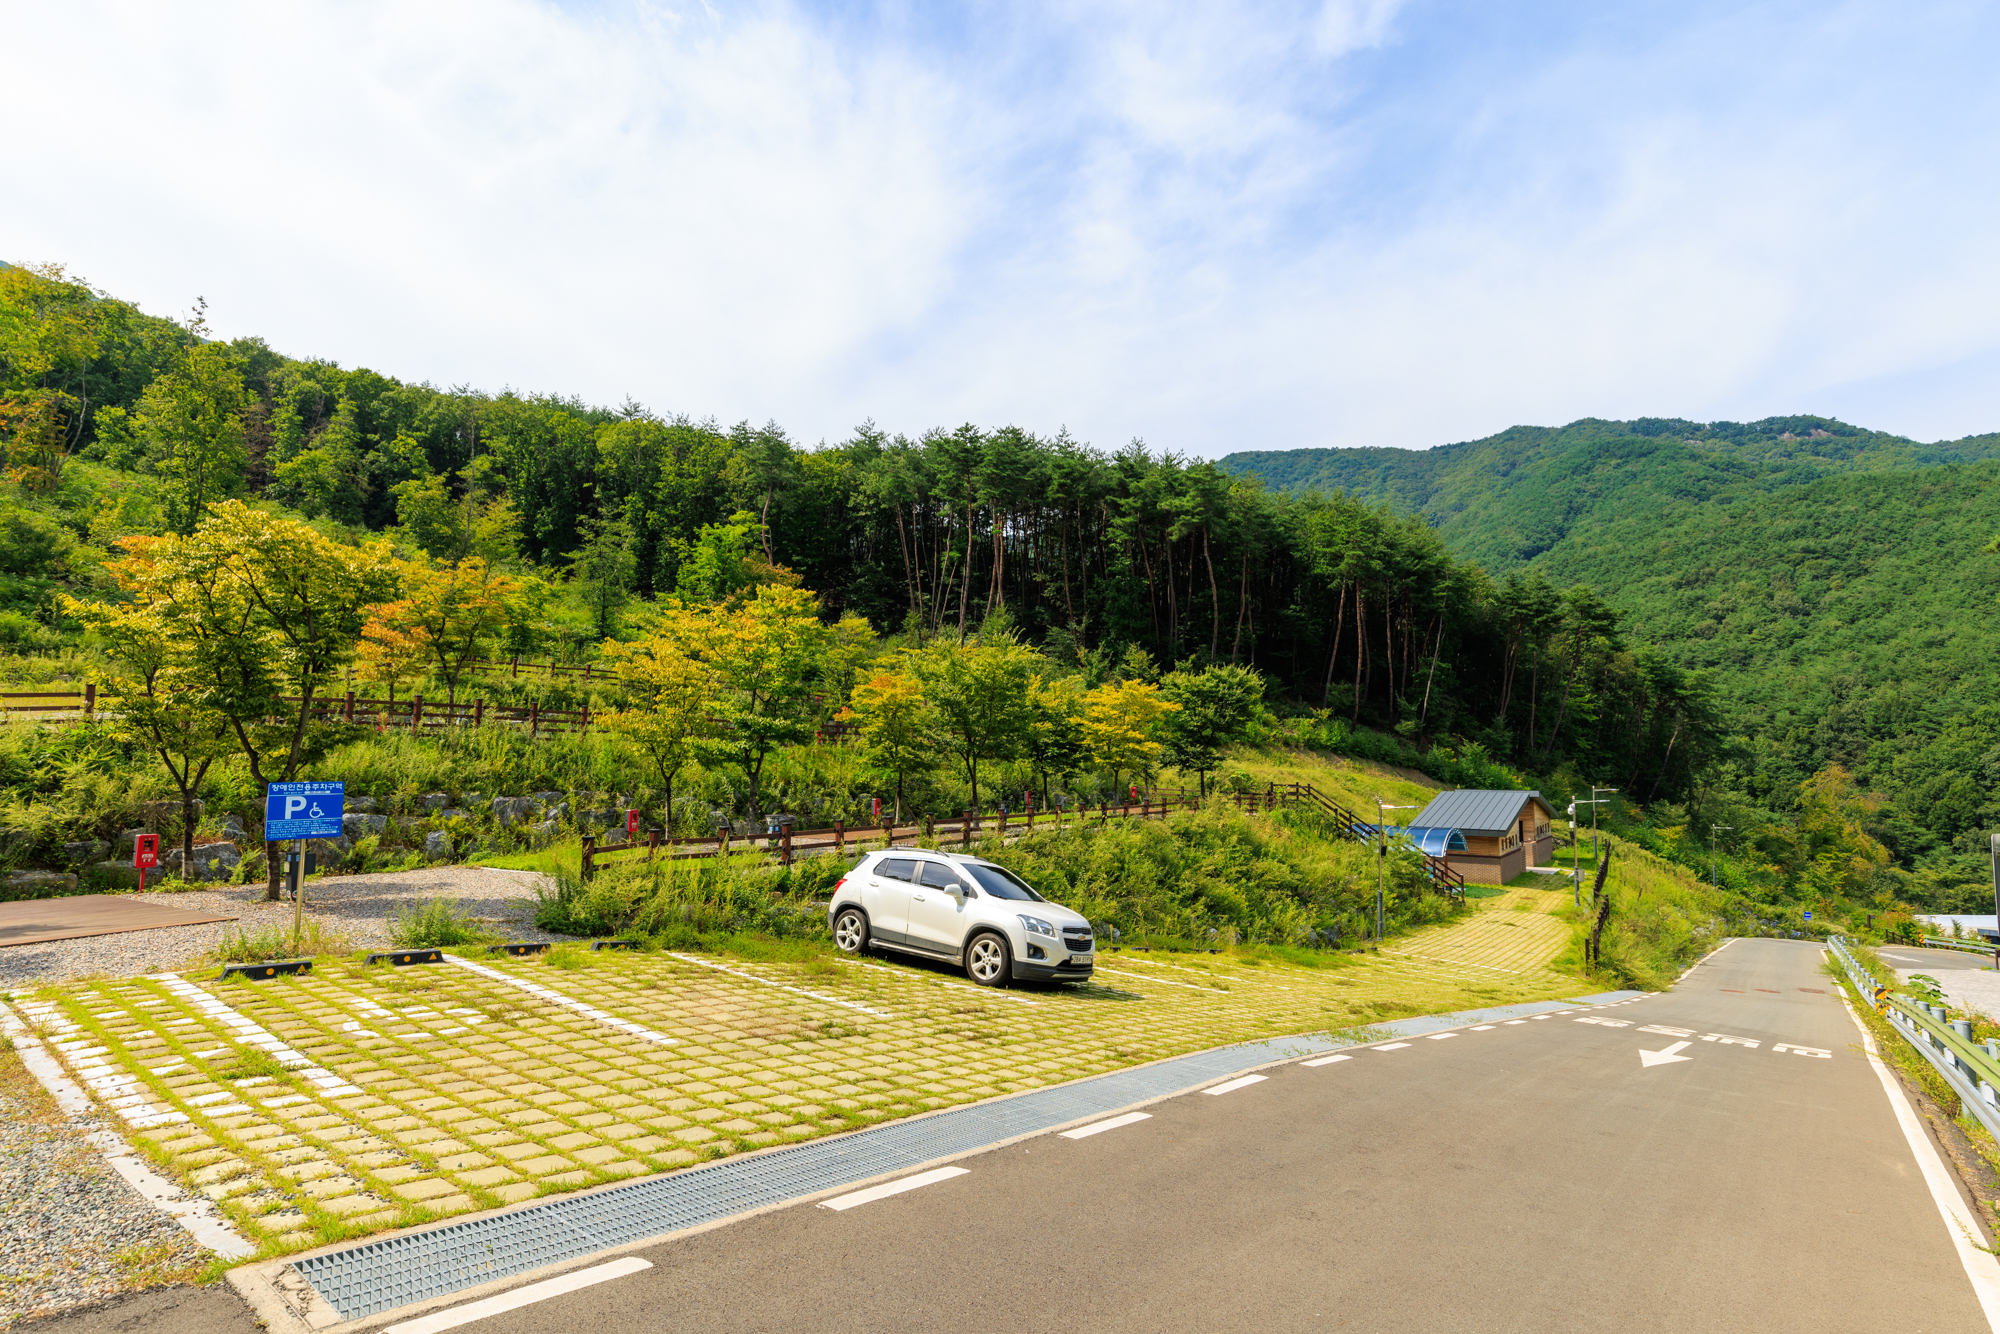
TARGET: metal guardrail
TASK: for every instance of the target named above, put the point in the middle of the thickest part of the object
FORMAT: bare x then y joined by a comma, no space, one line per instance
1971,1068
1980,948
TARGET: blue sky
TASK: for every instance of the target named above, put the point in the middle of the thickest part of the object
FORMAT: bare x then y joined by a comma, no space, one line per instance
1211,226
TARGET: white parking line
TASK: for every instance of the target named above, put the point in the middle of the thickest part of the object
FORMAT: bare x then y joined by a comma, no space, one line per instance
1099,1127
1326,1060
567,1002
765,981
888,1188
519,1297
1163,981
1235,1084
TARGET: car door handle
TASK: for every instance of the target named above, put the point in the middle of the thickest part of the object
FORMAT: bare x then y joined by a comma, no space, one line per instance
918,897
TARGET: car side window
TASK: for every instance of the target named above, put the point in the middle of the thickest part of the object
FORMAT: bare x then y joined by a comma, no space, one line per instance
897,868
939,876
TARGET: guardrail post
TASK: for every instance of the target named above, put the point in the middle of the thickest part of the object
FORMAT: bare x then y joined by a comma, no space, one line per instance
589,867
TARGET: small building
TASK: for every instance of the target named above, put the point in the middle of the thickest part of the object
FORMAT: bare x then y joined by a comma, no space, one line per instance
1488,836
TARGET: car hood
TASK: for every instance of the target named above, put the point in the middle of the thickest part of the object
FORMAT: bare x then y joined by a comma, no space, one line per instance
1053,913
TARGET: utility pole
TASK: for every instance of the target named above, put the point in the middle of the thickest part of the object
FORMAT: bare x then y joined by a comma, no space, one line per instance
1995,843
1593,820
1575,850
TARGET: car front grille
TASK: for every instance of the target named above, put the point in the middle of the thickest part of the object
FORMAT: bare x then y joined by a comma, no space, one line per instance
1077,944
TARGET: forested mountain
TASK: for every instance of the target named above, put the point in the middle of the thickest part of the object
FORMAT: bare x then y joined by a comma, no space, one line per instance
1830,581
1523,494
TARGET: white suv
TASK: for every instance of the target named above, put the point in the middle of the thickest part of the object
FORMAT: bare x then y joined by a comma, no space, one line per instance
940,905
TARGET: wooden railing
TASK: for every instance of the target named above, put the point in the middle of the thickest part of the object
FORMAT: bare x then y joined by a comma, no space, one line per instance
1349,825
418,713
82,701
789,843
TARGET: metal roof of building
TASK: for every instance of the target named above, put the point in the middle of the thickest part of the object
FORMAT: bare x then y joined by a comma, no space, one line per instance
1479,810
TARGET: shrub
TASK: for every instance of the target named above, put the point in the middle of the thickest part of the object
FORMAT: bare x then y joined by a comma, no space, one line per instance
434,924
271,942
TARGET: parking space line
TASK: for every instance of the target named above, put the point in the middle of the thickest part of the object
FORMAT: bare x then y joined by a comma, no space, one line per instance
1163,981
1099,1127
519,1297
567,1002
1234,1084
1326,1060
888,1188
767,982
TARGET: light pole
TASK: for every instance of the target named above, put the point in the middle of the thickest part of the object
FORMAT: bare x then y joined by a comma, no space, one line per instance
1715,875
1382,859
1996,901
1593,820
1575,851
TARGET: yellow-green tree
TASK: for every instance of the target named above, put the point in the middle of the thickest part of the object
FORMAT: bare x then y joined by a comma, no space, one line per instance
162,706
981,695
48,337
764,656
456,611
899,726
670,715
1056,744
190,420
1120,723
262,606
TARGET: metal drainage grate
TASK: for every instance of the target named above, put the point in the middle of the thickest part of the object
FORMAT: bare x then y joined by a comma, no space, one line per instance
380,1276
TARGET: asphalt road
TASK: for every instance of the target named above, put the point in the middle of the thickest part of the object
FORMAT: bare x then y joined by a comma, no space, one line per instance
1910,957
1532,1176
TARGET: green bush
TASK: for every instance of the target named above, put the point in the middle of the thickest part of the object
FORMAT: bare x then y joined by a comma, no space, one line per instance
433,924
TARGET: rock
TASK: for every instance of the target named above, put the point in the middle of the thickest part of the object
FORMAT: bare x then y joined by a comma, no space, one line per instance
453,813
437,845
471,798
434,801
233,830
119,875
88,850
546,798
361,805
211,861
360,824
155,813
128,840
38,884
614,839
545,832
510,811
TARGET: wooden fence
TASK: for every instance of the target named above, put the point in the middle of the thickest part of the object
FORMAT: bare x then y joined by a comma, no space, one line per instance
82,701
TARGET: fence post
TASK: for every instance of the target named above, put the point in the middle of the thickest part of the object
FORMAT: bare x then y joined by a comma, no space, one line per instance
652,843
348,712
416,712
785,841
515,666
534,719
840,838
589,867
965,829
1003,822
478,712
89,698
583,722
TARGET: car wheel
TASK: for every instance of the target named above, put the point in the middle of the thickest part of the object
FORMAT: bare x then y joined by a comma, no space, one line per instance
987,961
850,931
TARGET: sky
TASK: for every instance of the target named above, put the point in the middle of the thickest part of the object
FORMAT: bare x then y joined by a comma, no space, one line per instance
1211,226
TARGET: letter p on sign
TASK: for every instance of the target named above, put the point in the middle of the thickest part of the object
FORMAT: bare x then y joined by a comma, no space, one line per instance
293,805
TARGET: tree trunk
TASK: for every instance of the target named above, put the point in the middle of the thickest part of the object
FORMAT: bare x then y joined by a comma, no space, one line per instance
1214,599
1360,647
1339,625
1242,606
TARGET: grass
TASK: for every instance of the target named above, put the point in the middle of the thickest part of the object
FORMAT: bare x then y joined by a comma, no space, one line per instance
435,924
316,938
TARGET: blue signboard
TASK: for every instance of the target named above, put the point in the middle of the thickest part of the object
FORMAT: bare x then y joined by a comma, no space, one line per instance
1808,917
304,810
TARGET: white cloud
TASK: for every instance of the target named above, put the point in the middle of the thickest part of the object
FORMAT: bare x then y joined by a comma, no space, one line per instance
1217,226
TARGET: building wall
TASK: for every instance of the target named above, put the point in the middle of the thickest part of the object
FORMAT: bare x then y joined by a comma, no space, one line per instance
1489,870
1543,849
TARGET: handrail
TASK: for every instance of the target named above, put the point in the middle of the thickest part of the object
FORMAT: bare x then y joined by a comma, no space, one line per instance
1443,875
1965,946
1972,1069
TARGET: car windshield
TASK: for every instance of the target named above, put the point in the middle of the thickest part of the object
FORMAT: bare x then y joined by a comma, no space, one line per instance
1002,884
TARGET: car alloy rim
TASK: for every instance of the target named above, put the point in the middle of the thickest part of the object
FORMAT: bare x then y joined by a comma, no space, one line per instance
849,935
985,959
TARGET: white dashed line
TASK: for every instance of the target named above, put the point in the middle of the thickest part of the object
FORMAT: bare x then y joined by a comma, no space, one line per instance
528,1296
1099,1127
1439,1037
1481,1028
1235,1084
1392,1046
1326,1060
888,1188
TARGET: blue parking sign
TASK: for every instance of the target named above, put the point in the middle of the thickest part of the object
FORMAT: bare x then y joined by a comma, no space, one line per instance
1808,917
303,810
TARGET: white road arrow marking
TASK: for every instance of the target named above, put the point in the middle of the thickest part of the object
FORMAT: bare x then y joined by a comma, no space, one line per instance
1663,1055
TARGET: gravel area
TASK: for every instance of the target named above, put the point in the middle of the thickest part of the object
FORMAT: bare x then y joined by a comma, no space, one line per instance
1971,988
357,907
71,1230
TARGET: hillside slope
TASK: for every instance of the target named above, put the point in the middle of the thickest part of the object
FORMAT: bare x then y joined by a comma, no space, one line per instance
1525,493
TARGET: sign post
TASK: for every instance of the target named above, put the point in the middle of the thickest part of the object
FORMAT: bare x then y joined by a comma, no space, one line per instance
300,811
145,856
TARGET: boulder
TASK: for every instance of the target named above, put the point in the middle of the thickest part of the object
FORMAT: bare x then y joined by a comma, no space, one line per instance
361,805
153,814
88,850
547,798
546,832
471,798
233,830
437,845
453,813
510,811
211,861
434,801
360,824
612,839
37,884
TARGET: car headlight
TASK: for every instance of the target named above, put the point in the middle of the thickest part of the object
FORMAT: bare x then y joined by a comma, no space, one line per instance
1036,926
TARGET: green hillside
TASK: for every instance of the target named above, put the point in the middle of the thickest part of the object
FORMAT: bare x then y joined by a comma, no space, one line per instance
1828,580
1525,493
